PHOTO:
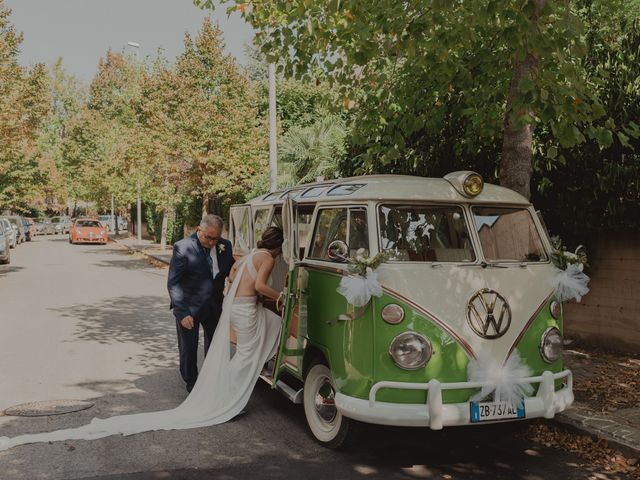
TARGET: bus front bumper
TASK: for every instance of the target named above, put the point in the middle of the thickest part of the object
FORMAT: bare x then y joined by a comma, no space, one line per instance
435,414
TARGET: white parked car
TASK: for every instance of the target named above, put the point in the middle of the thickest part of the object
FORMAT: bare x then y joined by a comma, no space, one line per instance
11,232
5,245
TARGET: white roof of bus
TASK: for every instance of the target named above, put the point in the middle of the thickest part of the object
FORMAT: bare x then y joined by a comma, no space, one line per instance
391,187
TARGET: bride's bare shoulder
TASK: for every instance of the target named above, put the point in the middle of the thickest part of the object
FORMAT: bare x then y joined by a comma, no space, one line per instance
264,259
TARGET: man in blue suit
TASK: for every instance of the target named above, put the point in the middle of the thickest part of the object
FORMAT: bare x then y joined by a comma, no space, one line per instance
199,266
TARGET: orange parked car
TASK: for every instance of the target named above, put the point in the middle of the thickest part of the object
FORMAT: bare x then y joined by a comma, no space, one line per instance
88,230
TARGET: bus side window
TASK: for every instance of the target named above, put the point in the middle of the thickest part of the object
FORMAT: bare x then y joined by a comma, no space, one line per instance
241,216
276,220
330,226
260,223
358,232
304,215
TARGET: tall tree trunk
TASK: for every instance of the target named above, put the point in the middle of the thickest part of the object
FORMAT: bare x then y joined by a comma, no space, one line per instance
516,165
205,205
163,231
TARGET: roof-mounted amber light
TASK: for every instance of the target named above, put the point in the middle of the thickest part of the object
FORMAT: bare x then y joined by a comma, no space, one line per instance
467,183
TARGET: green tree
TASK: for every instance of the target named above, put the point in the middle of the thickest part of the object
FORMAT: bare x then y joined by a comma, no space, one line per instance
104,146
309,152
503,68
222,137
23,106
161,143
306,112
587,189
67,96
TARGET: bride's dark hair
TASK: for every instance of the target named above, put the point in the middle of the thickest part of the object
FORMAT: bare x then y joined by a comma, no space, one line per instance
272,238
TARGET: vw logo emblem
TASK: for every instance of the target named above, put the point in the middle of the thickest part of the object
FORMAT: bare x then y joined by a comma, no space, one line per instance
488,314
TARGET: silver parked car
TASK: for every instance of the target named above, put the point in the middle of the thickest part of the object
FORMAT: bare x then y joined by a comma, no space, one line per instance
61,224
11,232
110,222
44,226
5,245
16,223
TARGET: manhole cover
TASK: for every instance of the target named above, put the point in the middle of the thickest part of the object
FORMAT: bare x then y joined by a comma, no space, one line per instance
47,407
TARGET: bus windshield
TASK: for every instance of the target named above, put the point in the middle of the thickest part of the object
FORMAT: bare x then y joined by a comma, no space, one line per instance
508,235
425,233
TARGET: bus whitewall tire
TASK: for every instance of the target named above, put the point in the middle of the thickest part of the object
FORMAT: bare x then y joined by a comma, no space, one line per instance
328,426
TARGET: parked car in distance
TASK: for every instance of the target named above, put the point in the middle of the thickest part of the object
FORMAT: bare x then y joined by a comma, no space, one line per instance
109,221
32,227
88,230
18,226
11,232
5,245
44,226
61,224
26,229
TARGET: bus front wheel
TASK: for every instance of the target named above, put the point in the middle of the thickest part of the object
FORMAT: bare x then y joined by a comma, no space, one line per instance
326,423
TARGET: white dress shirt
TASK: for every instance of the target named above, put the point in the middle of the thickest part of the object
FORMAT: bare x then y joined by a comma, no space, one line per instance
214,258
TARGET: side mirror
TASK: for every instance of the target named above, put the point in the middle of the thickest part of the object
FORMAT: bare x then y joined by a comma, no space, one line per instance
581,250
338,251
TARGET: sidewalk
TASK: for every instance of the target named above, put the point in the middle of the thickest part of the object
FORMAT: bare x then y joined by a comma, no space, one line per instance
146,247
606,385
607,396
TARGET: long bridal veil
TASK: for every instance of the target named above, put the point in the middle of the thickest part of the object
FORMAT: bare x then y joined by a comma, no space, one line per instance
221,392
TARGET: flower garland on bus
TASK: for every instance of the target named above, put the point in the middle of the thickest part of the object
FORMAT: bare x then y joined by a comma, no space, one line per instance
362,284
569,282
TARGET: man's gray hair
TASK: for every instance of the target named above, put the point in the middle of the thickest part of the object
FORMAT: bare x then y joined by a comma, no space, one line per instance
212,221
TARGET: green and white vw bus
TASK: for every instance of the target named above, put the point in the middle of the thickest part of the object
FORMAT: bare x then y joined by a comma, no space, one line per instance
467,287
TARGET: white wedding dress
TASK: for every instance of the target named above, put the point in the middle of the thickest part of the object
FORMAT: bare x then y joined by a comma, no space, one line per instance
224,385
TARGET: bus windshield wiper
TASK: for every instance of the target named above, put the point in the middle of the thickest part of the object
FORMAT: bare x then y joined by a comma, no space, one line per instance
484,264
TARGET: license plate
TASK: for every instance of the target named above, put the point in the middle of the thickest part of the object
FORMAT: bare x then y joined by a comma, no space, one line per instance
492,411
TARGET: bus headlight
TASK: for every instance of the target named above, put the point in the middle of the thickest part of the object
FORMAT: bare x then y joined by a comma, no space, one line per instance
472,185
410,350
469,184
551,345
392,314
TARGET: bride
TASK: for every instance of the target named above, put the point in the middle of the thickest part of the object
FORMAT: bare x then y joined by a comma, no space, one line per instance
226,381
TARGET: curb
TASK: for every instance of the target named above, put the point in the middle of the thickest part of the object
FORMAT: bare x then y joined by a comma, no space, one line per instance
139,250
597,427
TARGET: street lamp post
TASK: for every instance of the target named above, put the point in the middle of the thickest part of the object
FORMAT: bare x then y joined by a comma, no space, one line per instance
273,141
139,200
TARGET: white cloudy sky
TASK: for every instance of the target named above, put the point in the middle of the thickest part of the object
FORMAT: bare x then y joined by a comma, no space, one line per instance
81,31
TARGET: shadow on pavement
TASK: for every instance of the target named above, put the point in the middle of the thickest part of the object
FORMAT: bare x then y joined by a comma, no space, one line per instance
115,397
271,442
144,320
106,249
127,264
6,269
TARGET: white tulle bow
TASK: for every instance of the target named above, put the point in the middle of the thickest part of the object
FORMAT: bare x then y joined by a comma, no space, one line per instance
570,283
358,290
501,379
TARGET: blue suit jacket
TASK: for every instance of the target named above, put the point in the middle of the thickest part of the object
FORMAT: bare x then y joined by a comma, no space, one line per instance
192,289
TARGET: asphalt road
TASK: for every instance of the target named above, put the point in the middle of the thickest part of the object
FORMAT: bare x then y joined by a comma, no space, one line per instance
91,323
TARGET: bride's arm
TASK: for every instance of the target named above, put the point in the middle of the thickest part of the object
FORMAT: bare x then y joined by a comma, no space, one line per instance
234,270
261,285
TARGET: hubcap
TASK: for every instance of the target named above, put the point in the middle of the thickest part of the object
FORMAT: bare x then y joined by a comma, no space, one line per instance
325,401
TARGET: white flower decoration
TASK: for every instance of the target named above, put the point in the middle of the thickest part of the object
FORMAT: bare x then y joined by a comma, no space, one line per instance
221,248
360,251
